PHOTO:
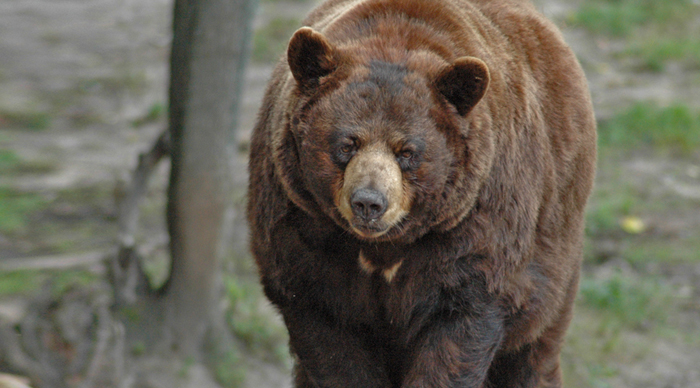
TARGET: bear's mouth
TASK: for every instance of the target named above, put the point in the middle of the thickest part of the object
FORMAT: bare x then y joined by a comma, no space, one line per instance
370,229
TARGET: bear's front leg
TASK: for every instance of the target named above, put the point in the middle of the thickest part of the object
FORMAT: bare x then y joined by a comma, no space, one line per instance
329,356
456,351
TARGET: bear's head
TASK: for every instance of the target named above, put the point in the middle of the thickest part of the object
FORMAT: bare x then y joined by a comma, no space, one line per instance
389,145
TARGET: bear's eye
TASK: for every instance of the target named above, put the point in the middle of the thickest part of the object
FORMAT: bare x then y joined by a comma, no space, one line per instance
345,151
347,148
408,159
406,154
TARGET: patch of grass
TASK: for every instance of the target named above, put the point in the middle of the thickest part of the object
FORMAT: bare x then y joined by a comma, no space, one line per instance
19,282
27,281
29,119
228,369
15,208
186,366
653,32
253,325
616,322
633,215
8,160
662,249
138,348
655,53
270,41
12,164
621,18
607,18
606,210
71,220
63,281
585,363
675,127
627,303
27,167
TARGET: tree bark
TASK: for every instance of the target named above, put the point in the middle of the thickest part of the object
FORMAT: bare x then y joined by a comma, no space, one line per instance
209,53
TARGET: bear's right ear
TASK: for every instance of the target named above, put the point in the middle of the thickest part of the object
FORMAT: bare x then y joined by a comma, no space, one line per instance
464,83
310,56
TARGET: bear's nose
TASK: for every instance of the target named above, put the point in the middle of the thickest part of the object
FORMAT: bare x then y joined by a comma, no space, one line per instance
368,204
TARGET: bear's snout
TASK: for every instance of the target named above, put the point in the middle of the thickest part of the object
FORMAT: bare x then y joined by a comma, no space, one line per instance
372,199
368,205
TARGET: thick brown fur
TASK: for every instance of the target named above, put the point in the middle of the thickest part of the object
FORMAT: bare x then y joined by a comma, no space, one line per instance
418,178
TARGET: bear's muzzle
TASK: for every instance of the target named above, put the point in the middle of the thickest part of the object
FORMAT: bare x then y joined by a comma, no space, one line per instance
372,197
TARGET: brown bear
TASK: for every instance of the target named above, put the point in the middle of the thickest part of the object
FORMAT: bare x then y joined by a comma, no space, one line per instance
418,178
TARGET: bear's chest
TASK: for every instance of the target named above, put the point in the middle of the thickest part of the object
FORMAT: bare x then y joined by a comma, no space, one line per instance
380,289
367,284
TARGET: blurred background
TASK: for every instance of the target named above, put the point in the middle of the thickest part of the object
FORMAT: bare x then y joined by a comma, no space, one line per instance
83,91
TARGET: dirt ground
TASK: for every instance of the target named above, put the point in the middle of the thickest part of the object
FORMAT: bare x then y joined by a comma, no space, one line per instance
82,82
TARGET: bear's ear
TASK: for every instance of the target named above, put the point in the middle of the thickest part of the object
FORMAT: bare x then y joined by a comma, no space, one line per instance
310,56
464,83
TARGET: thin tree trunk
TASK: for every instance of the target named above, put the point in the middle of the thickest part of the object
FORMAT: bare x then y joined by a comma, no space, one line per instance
207,62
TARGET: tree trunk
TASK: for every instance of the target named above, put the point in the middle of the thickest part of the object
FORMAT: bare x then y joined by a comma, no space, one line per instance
209,49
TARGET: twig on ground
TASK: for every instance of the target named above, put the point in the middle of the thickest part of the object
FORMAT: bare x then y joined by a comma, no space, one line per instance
105,331
127,276
56,261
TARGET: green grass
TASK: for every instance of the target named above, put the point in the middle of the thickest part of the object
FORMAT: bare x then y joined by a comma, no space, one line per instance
70,220
622,317
12,164
627,303
8,160
622,18
656,52
607,209
16,208
64,281
228,369
270,41
672,128
251,324
607,18
22,282
616,321
28,119
19,282
651,31
76,219
663,249
622,193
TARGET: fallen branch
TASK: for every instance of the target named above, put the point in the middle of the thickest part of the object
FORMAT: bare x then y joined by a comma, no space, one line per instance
73,260
105,332
64,261
129,198
127,276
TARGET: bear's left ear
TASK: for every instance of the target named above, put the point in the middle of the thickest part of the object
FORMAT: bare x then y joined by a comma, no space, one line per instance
310,56
464,83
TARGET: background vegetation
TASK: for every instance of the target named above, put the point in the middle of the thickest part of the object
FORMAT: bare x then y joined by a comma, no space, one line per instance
638,291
